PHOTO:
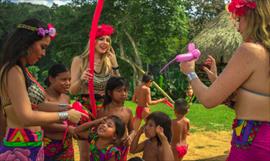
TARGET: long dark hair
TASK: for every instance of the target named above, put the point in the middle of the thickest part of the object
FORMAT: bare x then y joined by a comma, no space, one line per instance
54,71
14,48
162,120
112,84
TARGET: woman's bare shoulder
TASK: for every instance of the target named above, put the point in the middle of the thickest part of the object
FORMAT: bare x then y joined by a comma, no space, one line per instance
76,60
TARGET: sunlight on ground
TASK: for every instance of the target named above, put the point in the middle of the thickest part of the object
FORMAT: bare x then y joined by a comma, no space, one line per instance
203,146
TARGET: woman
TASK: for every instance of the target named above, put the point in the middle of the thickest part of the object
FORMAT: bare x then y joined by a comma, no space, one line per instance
248,75
58,136
105,66
21,94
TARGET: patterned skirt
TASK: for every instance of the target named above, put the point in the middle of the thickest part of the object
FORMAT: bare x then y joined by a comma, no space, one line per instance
22,144
250,141
58,150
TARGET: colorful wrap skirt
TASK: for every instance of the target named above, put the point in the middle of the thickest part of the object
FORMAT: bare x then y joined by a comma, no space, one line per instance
250,141
58,150
22,144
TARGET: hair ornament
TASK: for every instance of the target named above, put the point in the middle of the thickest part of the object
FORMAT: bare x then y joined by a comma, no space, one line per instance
240,7
104,29
50,30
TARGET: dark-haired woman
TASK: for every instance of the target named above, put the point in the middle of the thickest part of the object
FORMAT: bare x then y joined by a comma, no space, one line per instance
21,94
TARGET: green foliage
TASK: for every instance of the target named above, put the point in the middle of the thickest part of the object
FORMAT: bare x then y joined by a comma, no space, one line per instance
201,119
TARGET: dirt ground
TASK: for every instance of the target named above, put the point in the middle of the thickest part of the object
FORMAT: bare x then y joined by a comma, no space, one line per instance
203,146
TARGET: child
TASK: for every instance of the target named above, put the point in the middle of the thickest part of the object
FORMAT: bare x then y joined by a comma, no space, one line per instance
158,132
142,96
180,129
116,93
58,136
103,135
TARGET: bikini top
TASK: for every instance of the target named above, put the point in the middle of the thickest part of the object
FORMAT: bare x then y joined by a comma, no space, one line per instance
36,92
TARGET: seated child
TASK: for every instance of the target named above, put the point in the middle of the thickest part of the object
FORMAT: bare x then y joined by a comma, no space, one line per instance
180,129
158,131
103,135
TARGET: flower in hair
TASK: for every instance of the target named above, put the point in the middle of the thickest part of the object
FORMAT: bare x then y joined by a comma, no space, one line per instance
240,7
104,30
50,31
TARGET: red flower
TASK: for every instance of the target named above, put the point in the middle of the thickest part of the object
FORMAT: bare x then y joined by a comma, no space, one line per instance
103,30
240,7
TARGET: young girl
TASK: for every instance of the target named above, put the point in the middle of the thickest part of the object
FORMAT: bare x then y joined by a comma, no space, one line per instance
158,131
115,94
57,136
103,135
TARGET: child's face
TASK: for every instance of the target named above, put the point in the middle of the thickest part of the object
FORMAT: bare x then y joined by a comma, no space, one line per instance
106,129
150,129
119,94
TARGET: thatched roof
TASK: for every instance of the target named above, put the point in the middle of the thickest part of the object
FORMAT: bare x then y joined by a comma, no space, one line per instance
219,38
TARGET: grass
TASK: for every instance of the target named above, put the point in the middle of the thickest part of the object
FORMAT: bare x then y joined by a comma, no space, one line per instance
201,119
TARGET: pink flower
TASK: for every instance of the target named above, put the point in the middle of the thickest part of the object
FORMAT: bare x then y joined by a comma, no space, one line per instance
240,7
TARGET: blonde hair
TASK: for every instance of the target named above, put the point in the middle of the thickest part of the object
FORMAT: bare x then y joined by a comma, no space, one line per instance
258,21
106,63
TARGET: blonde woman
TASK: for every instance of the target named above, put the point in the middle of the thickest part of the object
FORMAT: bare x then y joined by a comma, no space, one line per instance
248,75
105,66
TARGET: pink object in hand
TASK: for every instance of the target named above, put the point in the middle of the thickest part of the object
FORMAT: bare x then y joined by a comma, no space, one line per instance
192,54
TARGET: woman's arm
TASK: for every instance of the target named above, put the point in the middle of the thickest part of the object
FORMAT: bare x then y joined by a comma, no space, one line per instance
22,106
75,76
53,107
55,127
238,70
21,102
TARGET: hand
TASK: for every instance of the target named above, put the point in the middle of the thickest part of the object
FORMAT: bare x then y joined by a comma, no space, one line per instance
74,116
86,76
160,133
212,70
71,130
187,67
126,141
112,57
164,99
